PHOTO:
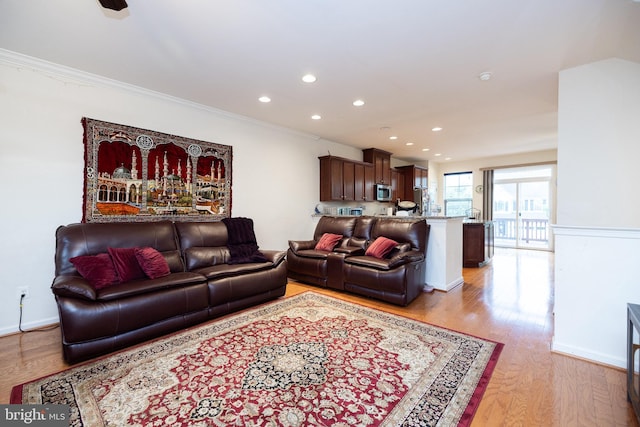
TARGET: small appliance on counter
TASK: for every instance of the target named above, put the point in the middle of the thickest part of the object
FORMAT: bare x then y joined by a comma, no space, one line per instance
406,206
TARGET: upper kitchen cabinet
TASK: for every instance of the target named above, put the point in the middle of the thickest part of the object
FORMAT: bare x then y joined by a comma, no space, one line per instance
345,180
413,177
363,182
381,164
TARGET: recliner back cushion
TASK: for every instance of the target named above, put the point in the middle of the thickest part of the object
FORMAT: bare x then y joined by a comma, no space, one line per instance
363,227
413,231
201,257
94,238
201,234
334,225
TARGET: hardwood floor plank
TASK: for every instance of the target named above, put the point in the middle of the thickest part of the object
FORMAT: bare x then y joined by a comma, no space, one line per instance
509,301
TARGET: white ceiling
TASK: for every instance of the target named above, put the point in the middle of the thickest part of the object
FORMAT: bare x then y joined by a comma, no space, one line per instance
414,62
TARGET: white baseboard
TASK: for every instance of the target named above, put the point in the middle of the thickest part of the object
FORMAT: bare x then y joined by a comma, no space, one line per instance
30,325
448,286
602,358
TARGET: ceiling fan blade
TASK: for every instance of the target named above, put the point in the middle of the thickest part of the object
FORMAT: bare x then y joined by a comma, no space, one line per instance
113,4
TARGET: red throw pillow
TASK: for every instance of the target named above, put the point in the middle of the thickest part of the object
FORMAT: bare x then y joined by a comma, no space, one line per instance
124,259
381,247
152,263
328,241
97,269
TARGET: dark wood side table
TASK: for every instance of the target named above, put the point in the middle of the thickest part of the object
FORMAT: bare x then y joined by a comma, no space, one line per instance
633,380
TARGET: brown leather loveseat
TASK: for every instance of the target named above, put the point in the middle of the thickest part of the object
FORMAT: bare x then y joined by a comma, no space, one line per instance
201,283
396,277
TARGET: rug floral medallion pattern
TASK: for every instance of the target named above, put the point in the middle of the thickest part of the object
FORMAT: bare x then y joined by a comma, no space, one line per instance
307,360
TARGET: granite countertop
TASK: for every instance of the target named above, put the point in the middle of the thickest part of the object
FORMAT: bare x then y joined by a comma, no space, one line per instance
395,216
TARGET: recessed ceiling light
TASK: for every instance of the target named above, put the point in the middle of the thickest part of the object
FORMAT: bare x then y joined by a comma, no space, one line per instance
436,129
409,143
385,128
264,99
309,78
316,117
485,76
447,158
358,103
426,149
393,137
437,154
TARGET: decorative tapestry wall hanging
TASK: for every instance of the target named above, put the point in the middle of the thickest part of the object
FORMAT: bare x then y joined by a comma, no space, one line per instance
136,174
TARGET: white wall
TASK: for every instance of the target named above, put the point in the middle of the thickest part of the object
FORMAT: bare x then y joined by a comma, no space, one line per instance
475,165
597,236
275,171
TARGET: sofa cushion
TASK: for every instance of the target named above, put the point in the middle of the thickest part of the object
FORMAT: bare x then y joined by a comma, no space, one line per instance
97,269
205,256
328,241
174,260
152,262
218,271
381,247
146,286
124,259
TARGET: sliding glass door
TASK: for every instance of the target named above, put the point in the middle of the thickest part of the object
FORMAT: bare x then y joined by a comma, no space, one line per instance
522,207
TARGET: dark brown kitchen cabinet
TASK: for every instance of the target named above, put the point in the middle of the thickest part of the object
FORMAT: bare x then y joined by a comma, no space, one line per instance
345,180
381,161
363,182
397,182
477,243
413,177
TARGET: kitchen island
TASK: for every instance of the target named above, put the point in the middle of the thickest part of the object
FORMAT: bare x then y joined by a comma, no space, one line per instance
444,253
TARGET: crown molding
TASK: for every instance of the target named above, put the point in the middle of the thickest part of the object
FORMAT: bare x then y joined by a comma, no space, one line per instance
72,75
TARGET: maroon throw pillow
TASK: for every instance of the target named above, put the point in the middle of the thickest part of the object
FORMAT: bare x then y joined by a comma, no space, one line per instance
126,263
97,269
381,247
152,263
328,241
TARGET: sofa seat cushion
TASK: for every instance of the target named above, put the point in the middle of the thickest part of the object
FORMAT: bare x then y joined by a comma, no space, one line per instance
146,286
225,270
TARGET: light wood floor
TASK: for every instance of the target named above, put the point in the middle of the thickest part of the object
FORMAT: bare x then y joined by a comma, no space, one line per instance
510,301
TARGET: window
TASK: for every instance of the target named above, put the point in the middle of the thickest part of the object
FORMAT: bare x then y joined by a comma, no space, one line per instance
458,193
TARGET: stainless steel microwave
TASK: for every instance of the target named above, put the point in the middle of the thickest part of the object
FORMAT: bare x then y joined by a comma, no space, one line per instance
383,193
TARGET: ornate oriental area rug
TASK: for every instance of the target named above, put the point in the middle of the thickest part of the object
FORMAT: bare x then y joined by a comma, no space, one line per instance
307,360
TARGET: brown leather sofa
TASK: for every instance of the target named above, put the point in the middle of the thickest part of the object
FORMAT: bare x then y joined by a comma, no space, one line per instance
201,285
397,278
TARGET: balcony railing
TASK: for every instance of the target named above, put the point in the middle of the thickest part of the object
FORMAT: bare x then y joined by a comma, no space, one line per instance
531,230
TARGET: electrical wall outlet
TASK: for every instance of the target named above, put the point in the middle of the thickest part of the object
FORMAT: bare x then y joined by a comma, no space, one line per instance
24,290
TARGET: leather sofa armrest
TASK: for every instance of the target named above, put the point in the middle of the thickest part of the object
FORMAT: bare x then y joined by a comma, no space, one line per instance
405,258
73,287
276,257
300,245
350,250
